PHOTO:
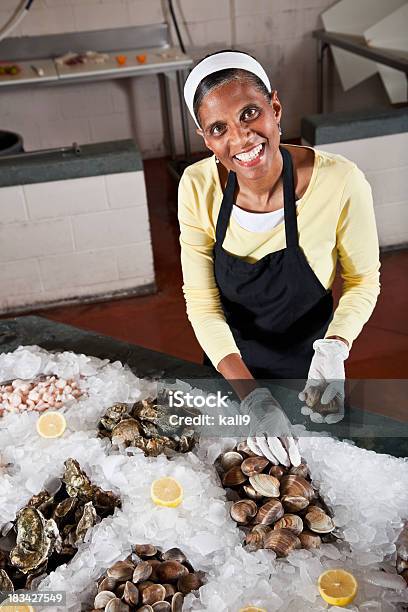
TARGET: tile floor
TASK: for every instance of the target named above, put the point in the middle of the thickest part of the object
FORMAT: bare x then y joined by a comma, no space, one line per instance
159,321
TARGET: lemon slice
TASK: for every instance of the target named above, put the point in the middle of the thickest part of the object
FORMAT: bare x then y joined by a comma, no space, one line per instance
252,609
337,587
167,492
51,424
16,608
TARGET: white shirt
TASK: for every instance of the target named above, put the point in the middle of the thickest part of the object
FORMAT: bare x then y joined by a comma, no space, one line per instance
258,222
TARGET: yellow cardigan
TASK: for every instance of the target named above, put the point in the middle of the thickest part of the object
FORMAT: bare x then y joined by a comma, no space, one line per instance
335,222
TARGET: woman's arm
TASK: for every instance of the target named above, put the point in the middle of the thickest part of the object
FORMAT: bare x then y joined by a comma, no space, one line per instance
358,251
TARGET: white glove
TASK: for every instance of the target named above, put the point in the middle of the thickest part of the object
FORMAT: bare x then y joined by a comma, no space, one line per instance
324,390
270,429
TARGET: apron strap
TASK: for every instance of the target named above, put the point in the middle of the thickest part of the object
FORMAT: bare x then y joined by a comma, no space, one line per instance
226,209
289,200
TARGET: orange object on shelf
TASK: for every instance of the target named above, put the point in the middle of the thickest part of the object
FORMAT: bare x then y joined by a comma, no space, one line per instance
141,58
121,59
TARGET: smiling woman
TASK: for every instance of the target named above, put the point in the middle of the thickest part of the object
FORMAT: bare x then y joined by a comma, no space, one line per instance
259,298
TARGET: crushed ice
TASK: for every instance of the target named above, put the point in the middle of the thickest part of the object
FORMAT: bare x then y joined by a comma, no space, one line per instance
368,493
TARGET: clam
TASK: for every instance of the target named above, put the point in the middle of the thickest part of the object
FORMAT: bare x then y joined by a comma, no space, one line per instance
107,584
243,511
292,484
265,485
153,593
290,521
121,570
251,493
161,606
294,503
309,540
171,570
131,594
278,471
116,605
170,590
270,512
230,459
146,608
103,598
254,539
174,554
142,572
300,470
119,591
320,522
254,465
189,582
177,602
234,477
281,541
145,550
154,564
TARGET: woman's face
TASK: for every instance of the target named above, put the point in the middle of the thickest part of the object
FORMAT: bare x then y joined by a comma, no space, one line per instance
240,126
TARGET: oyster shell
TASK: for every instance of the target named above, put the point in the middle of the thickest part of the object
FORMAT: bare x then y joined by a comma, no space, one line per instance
290,521
234,477
265,485
126,431
254,465
5,581
87,520
114,414
281,541
292,484
146,410
243,511
270,512
36,539
76,481
64,508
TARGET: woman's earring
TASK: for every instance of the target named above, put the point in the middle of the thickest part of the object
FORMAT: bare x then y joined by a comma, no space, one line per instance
217,161
279,128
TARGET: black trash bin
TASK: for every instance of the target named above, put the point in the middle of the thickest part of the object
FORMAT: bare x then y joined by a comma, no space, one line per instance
10,143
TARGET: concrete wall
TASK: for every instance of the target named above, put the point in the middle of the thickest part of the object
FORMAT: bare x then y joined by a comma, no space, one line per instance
76,238
277,32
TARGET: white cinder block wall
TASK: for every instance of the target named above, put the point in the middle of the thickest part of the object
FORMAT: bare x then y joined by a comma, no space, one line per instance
75,238
384,160
277,32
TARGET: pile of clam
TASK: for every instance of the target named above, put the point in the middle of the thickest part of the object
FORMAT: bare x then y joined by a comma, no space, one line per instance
40,394
148,580
48,530
277,507
402,553
145,425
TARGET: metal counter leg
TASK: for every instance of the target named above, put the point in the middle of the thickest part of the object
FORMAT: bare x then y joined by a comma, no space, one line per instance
166,112
181,77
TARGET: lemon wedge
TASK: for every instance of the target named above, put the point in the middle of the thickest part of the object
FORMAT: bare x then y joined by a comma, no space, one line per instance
166,492
337,587
51,424
252,609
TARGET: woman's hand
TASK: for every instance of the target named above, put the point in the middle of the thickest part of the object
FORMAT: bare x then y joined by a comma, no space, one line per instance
270,429
324,390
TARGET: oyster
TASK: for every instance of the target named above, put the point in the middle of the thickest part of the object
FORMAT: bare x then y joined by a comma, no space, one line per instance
114,414
254,465
290,521
270,512
35,540
265,485
146,410
292,484
281,541
5,582
87,520
64,508
76,481
126,431
243,511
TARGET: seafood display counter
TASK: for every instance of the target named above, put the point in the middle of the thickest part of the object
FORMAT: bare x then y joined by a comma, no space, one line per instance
121,511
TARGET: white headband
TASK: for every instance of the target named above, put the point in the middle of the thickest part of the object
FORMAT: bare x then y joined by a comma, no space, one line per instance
216,62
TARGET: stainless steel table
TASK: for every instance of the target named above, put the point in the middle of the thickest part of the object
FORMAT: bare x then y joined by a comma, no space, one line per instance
358,46
167,61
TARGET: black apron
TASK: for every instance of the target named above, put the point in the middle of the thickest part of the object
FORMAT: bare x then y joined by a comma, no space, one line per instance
277,307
